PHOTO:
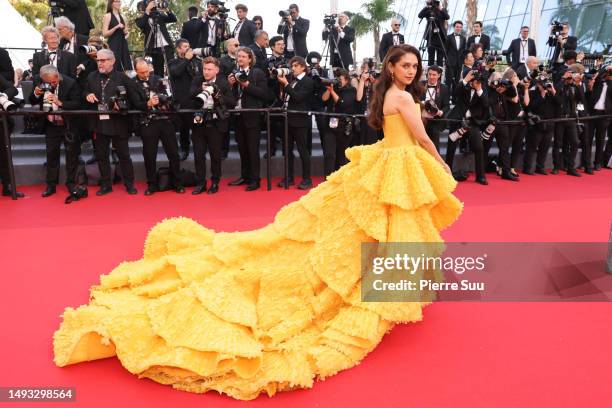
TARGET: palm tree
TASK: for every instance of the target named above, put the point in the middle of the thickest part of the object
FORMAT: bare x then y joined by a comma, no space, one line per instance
362,27
472,12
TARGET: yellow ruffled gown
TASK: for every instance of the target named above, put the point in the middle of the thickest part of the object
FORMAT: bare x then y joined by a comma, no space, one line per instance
275,308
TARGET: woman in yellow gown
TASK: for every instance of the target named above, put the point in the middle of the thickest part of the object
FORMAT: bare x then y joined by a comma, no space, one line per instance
275,308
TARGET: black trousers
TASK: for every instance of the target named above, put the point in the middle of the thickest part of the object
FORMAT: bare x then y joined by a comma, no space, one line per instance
185,124
277,130
298,136
248,139
336,142
539,139
151,134
517,136
158,59
433,131
322,126
54,137
452,77
436,54
4,165
565,134
475,141
503,139
120,143
211,139
598,131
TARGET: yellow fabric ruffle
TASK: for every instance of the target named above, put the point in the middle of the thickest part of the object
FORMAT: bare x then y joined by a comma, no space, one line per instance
272,309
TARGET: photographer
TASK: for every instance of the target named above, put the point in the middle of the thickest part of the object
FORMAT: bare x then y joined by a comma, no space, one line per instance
342,35
297,98
54,92
182,70
520,48
228,61
478,37
212,91
455,53
566,133
600,93
472,106
562,41
155,126
543,103
249,87
436,100
65,62
8,91
77,12
342,99
569,58
275,91
213,28
294,30
524,70
107,89
245,29
435,31
69,40
318,74
152,23
259,49
368,78
193,28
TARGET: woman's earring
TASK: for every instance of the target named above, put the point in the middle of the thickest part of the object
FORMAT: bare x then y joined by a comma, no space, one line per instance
392,76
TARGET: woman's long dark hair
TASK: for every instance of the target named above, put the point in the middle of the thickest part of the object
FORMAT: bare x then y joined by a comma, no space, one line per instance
395,53
109,7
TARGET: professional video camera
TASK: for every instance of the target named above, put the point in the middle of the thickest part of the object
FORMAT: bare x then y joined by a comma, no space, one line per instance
222,11
431,107
119,101
56,8
556,28
329,20
432,3
241,75
8,105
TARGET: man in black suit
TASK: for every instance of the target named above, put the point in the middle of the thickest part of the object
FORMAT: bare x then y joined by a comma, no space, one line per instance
78,13
63,95
294,30
251,93
160,49
6,66
259,49
64,61
99,88
343,35
192,28
469,97
208,133
562,42
7,88
438,93
391,38
456,45
213,30
520,48
245,29
298,94
434,33
600,96
525,70
228,61
478,37
71,41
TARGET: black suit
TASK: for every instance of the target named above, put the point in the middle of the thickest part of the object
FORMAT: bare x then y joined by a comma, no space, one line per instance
454,59
192,30
220,35
522,71
514,52
228,64
6,66
344,55
300,30
209,135
153,49
440,94
434,34
565,145
570,44
248,124
115,128
386,42
66,62
299,94
69,94
600,125
261,58
78,13
7,88
485,40
246,37
182,71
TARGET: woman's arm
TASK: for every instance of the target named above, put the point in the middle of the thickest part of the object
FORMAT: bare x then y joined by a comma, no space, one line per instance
105,22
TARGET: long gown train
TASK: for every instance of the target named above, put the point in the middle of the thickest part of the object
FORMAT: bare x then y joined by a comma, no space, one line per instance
275,308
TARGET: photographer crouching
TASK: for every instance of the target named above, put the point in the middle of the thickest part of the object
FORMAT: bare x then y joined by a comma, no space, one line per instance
472,107
105,90
155,126
342,99
436,100
213,94
54,92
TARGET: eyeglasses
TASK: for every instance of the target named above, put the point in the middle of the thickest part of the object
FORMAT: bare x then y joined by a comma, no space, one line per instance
102,60
396,25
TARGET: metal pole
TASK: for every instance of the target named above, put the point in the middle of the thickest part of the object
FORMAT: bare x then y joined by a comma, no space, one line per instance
9,155
286,149
269,153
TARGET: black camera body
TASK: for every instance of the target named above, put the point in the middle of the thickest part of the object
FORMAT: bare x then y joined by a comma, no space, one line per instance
56,7
119,101
240,74
501,82
556,28
329,20
432,3
431,107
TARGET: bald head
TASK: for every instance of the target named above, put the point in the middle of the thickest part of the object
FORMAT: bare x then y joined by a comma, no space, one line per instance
532,63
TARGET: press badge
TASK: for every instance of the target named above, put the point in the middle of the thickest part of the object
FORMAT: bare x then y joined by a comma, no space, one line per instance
333,123
102,107
579,107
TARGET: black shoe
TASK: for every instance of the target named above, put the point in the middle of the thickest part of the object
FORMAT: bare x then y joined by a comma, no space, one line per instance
151,190
253,186
555,171
514,173
179,190
283,184
7,191
482,180
184,155
305,184
199,189
589,170
81,161
104,190
131,189
598,167
509,176
542,172
92,160
238,182
49,191
528,172
573,172
265,156
224,155
213,188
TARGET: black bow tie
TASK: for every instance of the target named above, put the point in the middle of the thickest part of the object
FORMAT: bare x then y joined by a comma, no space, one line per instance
103,76
432,86
457,35
52,52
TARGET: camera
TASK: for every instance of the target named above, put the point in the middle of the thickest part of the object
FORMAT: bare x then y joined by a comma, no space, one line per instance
46,88
210,90
56,7
329,20
76,193
496,83
556,28
431,107
493,56
285,14
459,133
241,75
532,119
6,104
166,102
203,52
119,102
327,82
87,49
544,80
281,71
432,3
488,132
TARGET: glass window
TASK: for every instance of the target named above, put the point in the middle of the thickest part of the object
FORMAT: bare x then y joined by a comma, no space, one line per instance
505,7
483,6
491,11
605,35
497,40
543,32
511,30
550,4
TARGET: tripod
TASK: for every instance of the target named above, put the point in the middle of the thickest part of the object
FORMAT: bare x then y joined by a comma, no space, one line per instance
327,54
153,37
426,42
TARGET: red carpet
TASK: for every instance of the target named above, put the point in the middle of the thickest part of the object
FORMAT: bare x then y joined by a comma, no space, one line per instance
462,354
